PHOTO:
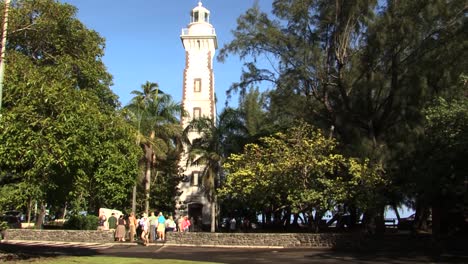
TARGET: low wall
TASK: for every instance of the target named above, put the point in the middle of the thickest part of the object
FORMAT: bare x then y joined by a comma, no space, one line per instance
267,240
59,235
281,240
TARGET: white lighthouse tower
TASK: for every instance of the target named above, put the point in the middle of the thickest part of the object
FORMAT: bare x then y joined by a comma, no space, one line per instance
198,99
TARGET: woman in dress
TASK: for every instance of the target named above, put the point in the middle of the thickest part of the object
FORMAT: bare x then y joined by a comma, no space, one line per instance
120,231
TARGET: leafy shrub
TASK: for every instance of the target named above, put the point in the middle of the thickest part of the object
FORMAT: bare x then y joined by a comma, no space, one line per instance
81,222
3,225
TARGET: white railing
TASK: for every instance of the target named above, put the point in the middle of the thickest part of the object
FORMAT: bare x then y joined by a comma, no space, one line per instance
185,31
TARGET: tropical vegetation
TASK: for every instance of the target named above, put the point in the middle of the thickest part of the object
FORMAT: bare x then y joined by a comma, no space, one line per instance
366,108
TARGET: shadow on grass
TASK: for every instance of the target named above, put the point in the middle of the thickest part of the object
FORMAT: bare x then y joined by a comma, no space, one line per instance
10,252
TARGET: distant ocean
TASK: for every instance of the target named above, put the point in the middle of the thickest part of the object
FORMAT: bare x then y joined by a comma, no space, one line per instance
403,211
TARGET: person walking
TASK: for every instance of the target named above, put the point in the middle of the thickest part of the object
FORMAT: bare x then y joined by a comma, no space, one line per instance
138,226
132,223
112,221
120,231
153,222
161,227
144,224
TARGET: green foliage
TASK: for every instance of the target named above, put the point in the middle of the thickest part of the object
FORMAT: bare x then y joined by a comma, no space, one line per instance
63,140
300,169
81,222
438,164
252,107
3,225
363,70
214,142
49,35
154,116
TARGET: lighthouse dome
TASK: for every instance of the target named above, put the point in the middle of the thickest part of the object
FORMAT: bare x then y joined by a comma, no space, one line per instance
200,21
200,14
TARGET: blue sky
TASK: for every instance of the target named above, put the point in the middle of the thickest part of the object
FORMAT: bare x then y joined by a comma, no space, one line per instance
143,41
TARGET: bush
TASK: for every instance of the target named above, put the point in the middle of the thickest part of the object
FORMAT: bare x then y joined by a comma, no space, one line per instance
3,225
81,222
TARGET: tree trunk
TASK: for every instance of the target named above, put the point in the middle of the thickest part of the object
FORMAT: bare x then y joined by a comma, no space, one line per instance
149,156
134,194
147,186
380,221
29,210
421,215
395,208
286,221
213,213
214,200
268,217
64,214
353,217
40,216
317,220
296,220
368,222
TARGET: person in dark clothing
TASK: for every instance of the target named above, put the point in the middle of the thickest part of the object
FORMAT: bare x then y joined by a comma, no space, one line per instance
120,231
112,222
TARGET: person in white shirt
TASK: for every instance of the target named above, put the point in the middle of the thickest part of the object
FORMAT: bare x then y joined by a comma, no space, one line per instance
144,224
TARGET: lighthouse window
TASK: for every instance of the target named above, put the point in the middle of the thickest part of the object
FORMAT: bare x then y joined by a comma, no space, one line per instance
196,112
197,85
195,178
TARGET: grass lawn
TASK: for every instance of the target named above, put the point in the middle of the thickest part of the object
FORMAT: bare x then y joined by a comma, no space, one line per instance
105,260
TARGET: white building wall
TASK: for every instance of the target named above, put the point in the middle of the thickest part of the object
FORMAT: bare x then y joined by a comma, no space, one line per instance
199,41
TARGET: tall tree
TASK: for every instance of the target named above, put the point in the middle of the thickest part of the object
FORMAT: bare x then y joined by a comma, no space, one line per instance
154,115
48,33
215,142
61,130
437,167
362,70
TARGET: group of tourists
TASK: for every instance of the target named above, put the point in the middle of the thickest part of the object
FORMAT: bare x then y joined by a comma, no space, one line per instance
147,228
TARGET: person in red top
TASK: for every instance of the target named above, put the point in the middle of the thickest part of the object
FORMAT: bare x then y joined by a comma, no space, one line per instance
184,227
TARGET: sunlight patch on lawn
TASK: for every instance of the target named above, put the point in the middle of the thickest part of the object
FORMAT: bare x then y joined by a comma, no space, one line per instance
107,260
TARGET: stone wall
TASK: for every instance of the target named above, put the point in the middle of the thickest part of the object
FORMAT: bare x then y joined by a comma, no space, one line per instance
198,239
60,235
269,240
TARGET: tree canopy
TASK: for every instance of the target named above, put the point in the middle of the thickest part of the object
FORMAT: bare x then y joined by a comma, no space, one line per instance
300,170
64,142
362,71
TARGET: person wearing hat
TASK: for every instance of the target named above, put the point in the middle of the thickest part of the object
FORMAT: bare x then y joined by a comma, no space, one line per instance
144,223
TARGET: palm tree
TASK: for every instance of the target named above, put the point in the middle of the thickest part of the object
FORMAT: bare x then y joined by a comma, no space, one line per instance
215,142
154,114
